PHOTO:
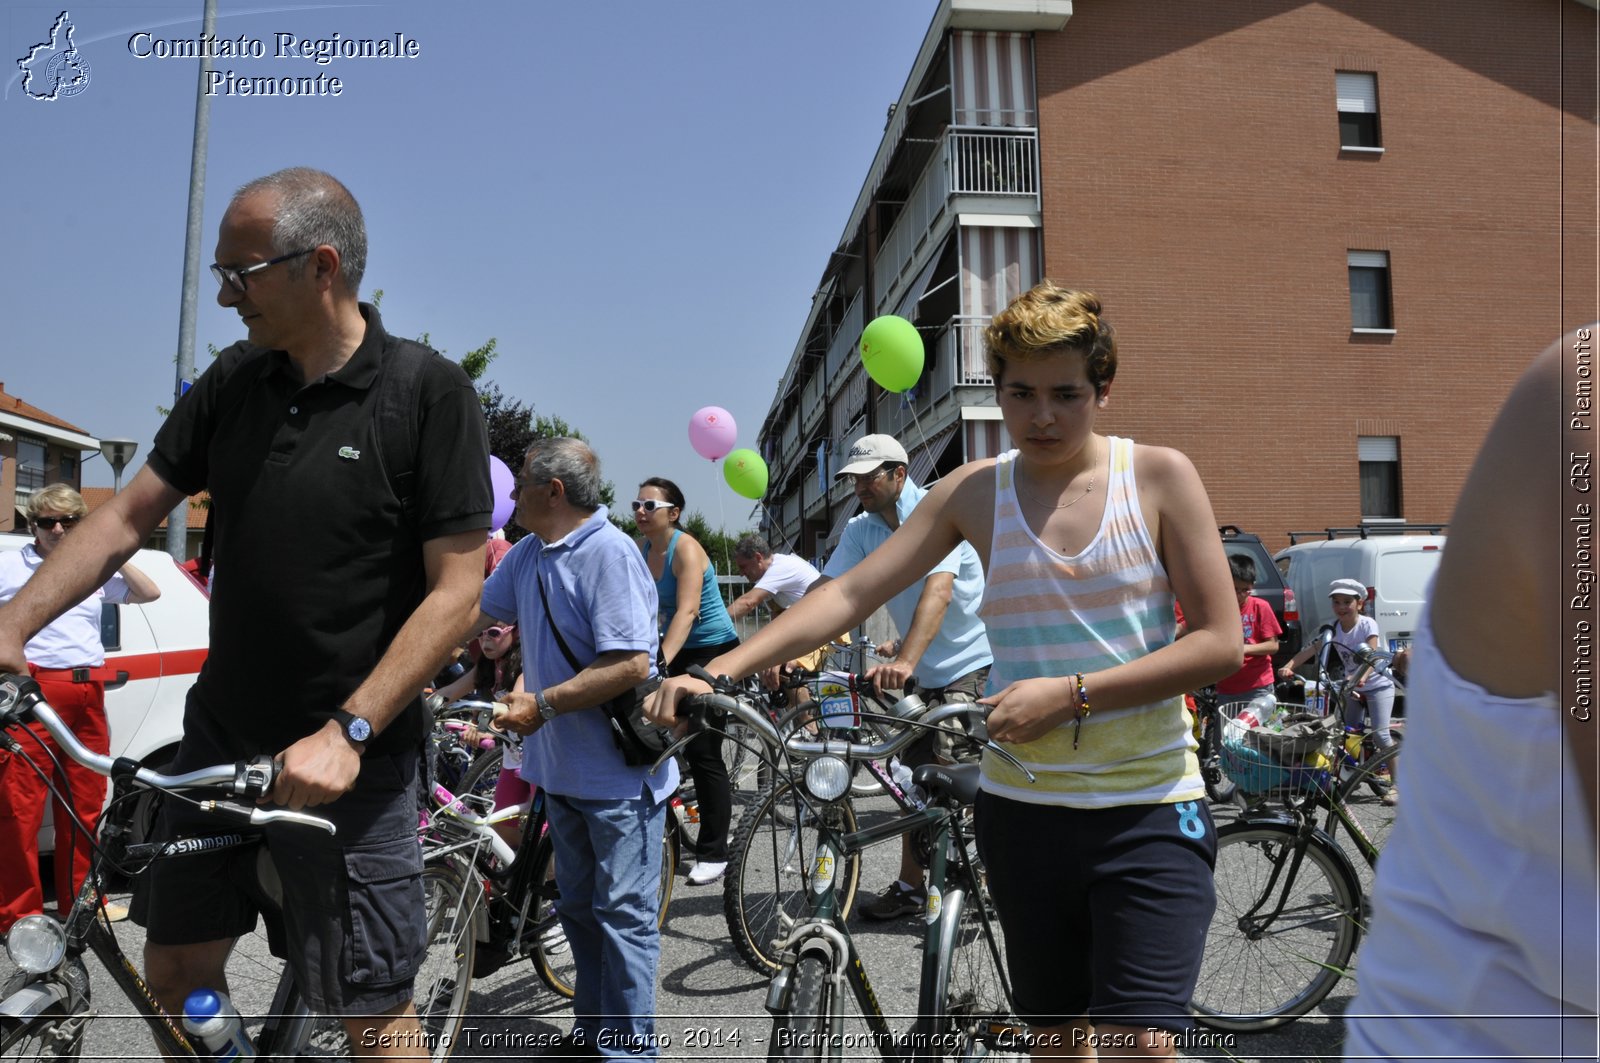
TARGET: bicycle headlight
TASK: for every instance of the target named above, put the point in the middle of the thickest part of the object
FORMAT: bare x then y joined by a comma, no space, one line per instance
827,778
37,943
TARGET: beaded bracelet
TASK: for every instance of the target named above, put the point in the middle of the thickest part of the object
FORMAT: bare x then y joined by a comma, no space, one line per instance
1082,710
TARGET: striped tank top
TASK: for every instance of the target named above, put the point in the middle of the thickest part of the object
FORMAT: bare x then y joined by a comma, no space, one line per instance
1053,615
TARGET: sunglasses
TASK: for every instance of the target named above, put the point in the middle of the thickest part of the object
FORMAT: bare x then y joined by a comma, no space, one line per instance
497,632
649,505
49,523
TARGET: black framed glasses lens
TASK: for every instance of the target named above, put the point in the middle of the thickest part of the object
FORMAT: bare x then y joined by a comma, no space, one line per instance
49,523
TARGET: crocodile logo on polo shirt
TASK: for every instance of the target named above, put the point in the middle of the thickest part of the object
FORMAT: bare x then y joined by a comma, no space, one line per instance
349,453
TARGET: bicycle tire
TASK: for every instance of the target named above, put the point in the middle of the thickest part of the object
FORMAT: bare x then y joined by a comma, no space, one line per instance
801,1032
1254,979
479,782
1379,786
765,891
551,952
35,1038
969,1004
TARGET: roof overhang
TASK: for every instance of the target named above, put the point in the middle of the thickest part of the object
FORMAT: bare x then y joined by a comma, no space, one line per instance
64,436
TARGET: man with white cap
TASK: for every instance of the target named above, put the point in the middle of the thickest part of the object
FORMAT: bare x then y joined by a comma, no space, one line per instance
942,643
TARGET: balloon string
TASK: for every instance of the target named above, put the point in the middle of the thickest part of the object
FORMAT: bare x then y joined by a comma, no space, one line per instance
923,436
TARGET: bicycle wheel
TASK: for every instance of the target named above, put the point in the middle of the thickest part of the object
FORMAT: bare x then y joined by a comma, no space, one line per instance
478,784
42,1037
967,1012
801,1032
769,866
1282,936
1379,782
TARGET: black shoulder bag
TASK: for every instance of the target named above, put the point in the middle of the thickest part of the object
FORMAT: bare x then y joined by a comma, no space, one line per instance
640,742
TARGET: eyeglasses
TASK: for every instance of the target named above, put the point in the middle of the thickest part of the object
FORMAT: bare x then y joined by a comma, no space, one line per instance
234,278
497,631
863,479
649,505
49,523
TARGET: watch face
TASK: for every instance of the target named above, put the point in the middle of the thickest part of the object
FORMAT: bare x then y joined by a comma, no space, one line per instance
358,729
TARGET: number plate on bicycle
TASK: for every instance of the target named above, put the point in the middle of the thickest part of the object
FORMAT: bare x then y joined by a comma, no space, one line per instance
836,702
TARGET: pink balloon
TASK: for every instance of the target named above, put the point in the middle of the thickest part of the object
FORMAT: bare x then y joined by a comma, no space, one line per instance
501,480
712,432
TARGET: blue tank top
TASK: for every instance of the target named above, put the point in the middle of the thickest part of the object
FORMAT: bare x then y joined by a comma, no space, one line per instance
713,626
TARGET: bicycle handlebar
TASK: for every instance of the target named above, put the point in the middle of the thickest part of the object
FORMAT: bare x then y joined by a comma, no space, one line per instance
21,698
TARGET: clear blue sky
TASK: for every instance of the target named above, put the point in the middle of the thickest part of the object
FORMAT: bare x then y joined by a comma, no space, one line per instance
636,199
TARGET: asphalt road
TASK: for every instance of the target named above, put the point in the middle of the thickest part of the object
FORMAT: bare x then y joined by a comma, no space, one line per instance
710,1003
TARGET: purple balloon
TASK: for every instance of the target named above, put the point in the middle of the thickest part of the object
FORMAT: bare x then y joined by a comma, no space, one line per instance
502,481
712,432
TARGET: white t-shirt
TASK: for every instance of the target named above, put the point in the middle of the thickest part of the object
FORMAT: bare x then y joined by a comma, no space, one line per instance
72,640
787,578
1348,641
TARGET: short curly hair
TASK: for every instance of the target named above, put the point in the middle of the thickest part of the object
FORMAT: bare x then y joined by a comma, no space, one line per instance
1048,320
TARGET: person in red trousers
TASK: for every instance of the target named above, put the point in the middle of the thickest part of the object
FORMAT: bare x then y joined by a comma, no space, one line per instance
68,660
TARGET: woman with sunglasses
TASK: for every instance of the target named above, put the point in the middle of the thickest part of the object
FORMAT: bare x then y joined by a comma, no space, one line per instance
68,660
695,628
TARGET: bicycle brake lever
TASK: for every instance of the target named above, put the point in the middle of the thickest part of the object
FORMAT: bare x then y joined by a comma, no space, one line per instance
1013,761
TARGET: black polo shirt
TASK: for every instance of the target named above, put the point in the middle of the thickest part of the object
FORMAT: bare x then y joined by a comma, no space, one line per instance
316,568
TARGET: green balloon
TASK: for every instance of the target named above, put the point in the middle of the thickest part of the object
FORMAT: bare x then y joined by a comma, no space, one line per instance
746,473
891,349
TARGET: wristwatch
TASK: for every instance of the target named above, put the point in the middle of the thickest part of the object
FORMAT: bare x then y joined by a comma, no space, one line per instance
547,711
356,728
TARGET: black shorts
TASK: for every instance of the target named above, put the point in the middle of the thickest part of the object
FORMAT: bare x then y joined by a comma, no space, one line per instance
351,917
1105,911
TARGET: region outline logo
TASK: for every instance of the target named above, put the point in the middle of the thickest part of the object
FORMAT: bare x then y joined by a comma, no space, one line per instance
66,71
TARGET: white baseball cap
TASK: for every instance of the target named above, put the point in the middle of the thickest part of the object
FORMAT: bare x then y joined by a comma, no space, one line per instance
1352,587
869,452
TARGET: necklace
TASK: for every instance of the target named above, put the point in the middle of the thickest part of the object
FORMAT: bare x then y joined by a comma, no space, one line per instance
1057,505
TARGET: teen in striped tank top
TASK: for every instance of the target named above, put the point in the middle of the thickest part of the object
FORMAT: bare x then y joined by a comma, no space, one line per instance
1101,872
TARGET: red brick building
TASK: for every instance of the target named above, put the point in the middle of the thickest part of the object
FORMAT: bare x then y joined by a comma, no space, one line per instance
1329,234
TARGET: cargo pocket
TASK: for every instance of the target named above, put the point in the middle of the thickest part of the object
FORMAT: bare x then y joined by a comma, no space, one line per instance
388,919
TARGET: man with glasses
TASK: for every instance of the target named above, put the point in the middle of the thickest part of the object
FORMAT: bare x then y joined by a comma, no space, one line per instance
352,559
68,659
942,644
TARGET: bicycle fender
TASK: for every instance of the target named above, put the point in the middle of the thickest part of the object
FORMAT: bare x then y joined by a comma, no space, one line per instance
33,1000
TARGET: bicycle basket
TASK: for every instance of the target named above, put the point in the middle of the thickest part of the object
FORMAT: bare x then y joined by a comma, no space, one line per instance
1260,761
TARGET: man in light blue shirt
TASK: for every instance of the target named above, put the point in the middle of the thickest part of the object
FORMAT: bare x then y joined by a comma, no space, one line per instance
942,642
606,818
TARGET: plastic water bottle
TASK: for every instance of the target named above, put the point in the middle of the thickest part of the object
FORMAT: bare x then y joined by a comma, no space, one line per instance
211,1019
902,778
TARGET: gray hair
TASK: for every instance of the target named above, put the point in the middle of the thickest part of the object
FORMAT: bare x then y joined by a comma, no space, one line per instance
573,463
315,209
752,546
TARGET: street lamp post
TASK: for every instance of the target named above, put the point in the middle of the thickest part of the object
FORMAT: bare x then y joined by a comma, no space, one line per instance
118,452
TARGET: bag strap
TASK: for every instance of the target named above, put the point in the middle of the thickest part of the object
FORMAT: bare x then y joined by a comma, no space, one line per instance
561,642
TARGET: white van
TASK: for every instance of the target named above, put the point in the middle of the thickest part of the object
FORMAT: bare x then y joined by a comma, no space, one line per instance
1395,567
159,647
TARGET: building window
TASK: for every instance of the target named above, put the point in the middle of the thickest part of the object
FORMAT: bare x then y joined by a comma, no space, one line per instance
68,468
30,466
1358,111
1370,309
1380,476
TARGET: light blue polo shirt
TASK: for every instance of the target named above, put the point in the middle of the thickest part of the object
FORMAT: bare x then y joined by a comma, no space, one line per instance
962,644
603,599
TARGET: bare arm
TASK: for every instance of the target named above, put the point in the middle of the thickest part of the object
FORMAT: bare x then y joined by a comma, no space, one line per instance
323,765
689,563
931,607
84,561
748,602
141,588
610,674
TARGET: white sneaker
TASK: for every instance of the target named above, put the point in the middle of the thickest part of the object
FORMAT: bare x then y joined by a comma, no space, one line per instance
704,874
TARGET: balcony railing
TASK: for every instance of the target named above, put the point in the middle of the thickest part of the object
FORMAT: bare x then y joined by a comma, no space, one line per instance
30,478
968,163
966,338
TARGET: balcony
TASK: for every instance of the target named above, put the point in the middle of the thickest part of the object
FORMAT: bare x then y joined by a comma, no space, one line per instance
1001,167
